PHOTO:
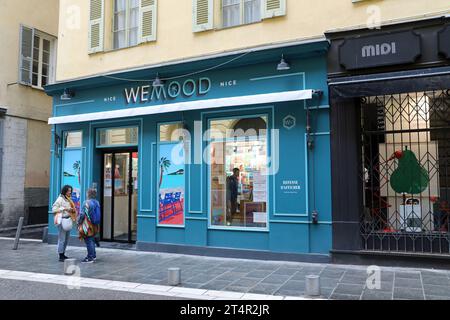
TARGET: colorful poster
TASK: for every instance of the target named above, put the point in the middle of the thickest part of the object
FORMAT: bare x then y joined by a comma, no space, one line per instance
72,174
171,184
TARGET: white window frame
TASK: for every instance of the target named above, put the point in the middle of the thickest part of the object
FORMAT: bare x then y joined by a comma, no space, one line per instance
67,133
242,13
51,62
127,25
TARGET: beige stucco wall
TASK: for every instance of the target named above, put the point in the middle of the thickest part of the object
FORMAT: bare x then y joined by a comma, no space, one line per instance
26,152
43,15
175,39
38,155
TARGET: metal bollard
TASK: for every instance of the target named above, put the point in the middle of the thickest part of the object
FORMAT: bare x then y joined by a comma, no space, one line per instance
312,286
174,276
18,232
45,235
67,264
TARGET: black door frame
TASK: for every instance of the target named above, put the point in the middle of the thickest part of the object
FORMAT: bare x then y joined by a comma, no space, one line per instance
113,152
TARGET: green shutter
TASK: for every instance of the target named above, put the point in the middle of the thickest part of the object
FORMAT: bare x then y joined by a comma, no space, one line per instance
96,25
26,55
202,15
273,8
148,20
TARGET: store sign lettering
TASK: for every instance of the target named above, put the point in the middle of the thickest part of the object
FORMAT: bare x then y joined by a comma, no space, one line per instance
230,83
379,50
171,90
290,186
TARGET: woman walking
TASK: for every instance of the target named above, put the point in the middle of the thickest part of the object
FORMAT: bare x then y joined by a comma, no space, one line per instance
63,209
88,224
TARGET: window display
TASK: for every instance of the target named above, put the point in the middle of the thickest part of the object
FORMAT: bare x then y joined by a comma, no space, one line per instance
238,173
171,171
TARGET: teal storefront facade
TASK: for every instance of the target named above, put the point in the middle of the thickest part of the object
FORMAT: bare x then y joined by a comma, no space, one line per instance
113,135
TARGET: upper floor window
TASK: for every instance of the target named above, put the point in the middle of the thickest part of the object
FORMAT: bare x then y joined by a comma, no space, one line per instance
237,12
234,12
131,22
126,23
36,61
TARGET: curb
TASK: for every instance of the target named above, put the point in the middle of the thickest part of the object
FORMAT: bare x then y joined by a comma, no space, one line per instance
73,282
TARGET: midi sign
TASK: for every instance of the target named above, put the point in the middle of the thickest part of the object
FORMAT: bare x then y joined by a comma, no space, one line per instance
382,50
169,91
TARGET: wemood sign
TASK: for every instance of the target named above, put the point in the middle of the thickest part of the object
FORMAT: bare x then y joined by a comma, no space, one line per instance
169,91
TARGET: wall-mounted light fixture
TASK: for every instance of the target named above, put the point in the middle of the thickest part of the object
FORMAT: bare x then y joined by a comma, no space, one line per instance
157,83
283,65
67,95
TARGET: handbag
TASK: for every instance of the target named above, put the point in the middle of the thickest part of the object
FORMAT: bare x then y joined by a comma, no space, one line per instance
67,224
85,229
57,219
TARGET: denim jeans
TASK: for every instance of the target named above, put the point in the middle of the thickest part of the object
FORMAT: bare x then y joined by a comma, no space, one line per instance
63,239
90,245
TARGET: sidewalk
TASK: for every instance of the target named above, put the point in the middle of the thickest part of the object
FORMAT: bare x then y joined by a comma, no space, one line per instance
232,275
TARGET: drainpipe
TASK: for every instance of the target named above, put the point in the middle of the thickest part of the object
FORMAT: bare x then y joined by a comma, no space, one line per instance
3,111
310,150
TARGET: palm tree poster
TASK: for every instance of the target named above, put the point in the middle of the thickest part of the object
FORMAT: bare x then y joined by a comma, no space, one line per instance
72,174
171,185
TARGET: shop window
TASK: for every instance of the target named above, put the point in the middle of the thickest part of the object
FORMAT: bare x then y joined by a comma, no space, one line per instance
237,12
171,132
171,175
405,158
238,181
117,137
171,184
73,139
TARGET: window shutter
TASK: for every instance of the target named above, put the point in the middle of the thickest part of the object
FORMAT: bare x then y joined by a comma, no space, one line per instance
148,18
203,13
274,8
26,55
96,25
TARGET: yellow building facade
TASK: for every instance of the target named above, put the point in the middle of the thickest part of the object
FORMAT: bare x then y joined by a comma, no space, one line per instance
26,27
176,37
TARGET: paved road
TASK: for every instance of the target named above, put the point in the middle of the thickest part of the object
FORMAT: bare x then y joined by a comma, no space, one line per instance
26,290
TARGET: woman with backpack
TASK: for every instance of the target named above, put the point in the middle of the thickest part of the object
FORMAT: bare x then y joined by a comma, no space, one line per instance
88,224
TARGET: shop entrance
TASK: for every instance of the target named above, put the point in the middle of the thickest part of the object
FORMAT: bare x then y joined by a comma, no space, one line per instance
119,195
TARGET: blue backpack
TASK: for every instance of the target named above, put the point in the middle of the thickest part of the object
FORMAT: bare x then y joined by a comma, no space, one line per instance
94,212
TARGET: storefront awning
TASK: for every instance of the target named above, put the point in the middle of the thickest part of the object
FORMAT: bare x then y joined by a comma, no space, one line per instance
391,83
187,106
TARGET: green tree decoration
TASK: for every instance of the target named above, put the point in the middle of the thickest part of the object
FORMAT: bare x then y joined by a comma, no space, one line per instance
164,165
409,177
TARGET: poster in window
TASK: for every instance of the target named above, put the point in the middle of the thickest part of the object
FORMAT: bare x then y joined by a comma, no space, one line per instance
171,184
255,213
72,174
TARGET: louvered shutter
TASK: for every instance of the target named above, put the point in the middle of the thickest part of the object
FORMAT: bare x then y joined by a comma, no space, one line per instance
26,55
273,8
96,25
148,20
203,13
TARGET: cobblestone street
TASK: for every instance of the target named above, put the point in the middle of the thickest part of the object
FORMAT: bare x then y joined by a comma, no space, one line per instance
232,275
